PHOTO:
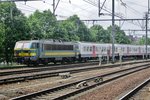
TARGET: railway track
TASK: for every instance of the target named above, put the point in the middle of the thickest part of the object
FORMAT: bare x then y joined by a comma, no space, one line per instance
12,72
4,73
53,73
71,89
135,90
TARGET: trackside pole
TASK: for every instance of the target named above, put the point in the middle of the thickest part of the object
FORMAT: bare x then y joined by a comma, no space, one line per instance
107,59
120,59
120,56
100,59
108,53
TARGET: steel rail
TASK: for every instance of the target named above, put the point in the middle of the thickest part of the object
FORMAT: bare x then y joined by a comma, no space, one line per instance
93,86
53,73
44,69
43,92
59,67
135,90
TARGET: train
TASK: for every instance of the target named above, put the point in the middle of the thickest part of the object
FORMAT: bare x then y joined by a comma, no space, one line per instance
34,52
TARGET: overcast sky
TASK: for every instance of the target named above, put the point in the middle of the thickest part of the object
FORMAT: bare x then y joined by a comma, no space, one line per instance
66,8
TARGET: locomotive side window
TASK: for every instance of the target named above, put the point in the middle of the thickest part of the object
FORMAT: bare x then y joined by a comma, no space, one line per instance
58,47
47,47
35,45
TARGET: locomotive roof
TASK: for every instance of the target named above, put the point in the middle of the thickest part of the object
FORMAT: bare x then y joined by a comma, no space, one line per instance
48,41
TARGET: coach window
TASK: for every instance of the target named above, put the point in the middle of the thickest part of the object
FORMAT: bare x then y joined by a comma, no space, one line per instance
87,49
129,49
84,49
116,49
100,49
96,48
90,48
104,49
123,49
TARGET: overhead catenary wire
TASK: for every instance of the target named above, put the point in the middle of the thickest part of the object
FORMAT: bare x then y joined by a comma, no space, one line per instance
134,3
82,9
108,11
66,9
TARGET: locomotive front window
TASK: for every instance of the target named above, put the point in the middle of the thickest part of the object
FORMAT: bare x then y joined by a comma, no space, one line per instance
19,45
27,45
22,45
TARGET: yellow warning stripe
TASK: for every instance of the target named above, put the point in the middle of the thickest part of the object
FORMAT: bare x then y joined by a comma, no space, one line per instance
27,54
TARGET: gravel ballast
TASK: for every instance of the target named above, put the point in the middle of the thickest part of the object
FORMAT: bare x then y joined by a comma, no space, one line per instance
117,88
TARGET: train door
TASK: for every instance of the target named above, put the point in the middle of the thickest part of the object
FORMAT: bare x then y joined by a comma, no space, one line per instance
139,50
94,51
127,50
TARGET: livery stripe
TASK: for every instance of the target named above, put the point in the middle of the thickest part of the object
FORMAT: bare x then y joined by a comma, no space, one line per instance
27,54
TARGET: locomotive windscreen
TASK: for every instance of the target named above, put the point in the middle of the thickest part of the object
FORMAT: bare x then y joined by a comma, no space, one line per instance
22,45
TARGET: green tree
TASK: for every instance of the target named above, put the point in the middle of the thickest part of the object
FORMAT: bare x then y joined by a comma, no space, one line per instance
42,24
120,36
73,29
14,28
2,31
66,31
99,34
80,28
142,41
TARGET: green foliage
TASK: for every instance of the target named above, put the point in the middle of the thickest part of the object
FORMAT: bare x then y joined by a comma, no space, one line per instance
73,29
14,28
120,36
80,28
42,24
142,41
66,31
99,34
2,31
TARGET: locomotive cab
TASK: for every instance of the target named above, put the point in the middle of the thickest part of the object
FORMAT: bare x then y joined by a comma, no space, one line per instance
26,52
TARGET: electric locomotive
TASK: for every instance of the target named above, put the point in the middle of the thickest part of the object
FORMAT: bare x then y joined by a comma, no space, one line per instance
45,51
